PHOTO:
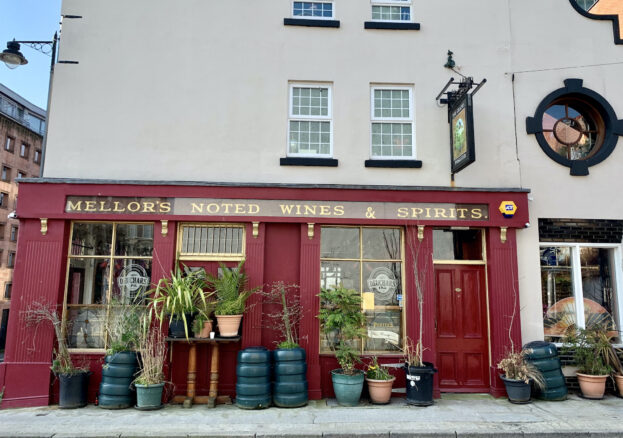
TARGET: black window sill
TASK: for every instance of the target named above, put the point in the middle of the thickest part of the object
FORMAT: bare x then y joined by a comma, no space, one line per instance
391,25
310,22
395,164
290,161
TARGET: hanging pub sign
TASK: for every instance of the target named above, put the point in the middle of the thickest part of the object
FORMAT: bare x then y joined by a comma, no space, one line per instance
461,119
462,134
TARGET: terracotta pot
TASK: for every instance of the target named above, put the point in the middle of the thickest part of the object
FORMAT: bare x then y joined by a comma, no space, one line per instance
380,390
205,331
228,324
619,380
592,386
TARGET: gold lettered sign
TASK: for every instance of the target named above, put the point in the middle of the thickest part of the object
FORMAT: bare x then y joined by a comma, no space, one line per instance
275,208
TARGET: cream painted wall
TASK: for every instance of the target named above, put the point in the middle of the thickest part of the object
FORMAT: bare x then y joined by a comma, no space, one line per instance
198,90
548,47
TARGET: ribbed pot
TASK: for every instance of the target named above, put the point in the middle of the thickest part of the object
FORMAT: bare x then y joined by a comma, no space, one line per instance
117,375
592,387
518,391
380,390
149,396
347,388
619,380
228,324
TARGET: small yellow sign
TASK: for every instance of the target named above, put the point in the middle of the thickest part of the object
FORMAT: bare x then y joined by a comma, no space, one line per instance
508,209
368,300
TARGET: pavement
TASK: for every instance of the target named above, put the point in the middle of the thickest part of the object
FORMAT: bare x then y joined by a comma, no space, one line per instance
472,415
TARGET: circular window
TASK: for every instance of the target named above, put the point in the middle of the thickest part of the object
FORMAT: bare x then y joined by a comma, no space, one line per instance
576,127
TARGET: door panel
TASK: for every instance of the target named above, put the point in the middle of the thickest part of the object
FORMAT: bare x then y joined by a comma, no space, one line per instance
462,338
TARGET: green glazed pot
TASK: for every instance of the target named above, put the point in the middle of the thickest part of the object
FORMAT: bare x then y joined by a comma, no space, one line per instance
347,388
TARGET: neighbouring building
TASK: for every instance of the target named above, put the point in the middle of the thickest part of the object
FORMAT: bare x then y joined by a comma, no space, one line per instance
310,138
22,126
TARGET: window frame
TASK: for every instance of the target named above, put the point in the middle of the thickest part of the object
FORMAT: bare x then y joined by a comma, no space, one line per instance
211,256
6,173
8,286
37,156
9,144
394,3
394,120
4,200
310,118
26,148
302,17
110,257
576,276
10,263
361,260
14,233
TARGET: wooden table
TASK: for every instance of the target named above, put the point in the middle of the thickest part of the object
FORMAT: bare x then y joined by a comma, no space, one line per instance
191,377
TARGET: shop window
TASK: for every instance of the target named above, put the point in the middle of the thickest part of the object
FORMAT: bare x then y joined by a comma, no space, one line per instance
369,260
211,242
578,288
391,10
310,124
109,266
9,144
23,150
575,127
11,259
454,245
392,123
7,290
14,229
6,174
314,10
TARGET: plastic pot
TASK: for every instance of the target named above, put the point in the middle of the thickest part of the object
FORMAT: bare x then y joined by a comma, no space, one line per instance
149,396
380,390
420,384
518,391
73,390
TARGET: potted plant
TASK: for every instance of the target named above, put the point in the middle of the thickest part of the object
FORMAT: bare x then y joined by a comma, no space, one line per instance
518,376
231,297
202,324
589,348
74,380
380,382
149,382
290,366
177,297
342,323
120,362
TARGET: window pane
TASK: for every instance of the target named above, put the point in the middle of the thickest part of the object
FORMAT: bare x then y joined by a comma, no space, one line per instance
334,273
381,243
394,140
557,291
88,281
131,279
85,327
384,331
384,281
314,101
457,244
597,288
91,239
134,240
339,243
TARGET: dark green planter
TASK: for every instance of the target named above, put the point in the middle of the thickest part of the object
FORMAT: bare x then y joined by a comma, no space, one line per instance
347,388
518,391
149,396
118,372
290,378
253,388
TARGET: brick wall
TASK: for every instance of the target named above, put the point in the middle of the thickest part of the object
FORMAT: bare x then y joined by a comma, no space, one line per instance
580,230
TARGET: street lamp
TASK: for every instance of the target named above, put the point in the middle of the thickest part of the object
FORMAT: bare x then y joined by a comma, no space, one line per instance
13,58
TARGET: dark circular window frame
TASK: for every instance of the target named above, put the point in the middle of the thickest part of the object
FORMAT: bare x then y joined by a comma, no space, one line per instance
612,126
618,38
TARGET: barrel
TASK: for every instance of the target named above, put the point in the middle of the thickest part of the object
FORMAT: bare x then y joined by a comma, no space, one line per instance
544,356
253,386
290,378
117,375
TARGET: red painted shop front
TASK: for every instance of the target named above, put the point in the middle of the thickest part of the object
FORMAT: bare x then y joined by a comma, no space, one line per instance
465,329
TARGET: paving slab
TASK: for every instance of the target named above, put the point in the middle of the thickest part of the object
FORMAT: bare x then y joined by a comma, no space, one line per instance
453,416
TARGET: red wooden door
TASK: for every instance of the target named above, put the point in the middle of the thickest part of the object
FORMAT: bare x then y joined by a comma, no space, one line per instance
462,335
